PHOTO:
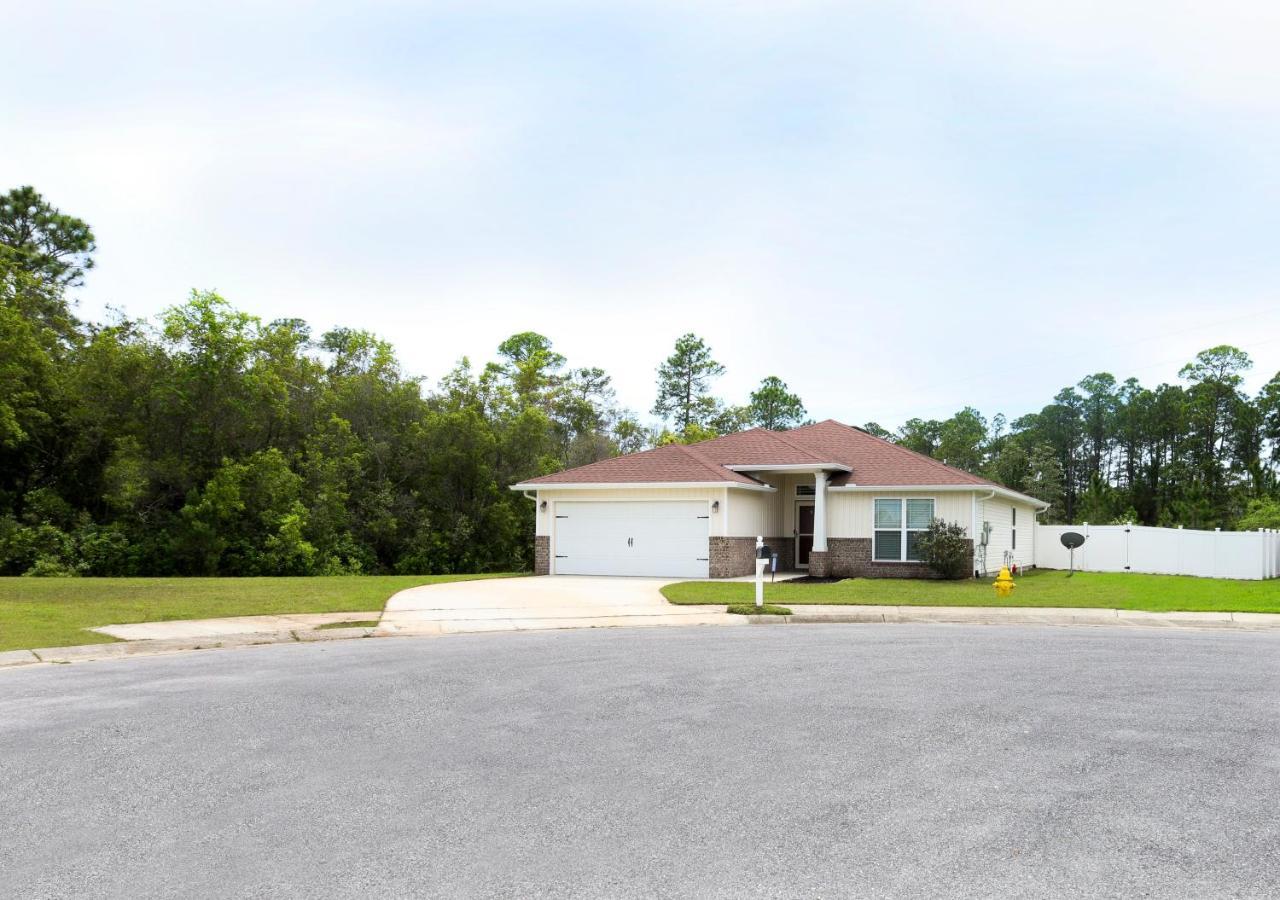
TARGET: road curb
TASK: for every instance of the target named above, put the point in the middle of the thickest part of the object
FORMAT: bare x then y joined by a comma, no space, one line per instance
845,615
1001,615
11,658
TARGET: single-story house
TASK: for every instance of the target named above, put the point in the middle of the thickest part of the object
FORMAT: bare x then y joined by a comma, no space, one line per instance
830,498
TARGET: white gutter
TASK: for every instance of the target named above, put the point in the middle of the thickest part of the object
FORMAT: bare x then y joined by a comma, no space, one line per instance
644,485
940,488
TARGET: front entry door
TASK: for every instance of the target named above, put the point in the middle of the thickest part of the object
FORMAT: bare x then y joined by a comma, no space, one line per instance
804,534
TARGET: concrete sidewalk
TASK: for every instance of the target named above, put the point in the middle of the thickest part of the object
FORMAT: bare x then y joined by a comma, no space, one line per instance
182,629
166,646
1020,615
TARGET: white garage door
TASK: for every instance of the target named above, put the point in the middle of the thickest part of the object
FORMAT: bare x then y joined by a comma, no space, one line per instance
639,537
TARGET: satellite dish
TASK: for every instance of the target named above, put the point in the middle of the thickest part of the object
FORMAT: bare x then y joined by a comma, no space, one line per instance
1071,540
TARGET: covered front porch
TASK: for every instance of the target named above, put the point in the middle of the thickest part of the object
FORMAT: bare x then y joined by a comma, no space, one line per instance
794,518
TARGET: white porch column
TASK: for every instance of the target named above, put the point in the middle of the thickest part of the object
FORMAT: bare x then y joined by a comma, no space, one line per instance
820,512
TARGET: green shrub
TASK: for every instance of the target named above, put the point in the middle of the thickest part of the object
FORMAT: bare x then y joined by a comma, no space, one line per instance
49,567
1260,514
945,549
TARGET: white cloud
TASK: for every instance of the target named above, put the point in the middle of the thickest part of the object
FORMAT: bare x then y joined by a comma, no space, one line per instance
899,209
1221,53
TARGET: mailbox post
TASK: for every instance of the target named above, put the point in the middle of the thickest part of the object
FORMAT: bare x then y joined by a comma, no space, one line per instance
762,559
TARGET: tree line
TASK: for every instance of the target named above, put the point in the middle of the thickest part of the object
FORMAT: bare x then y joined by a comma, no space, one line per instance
211,442
1201,454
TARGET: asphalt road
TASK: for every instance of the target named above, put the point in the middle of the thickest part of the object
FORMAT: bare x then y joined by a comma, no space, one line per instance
868,761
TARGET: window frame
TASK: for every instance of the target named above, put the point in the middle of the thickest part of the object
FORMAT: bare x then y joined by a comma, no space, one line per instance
902,530
1013,528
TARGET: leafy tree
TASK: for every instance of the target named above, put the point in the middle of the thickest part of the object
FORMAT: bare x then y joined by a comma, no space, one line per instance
691,435
684,384
1044,477
962,440
1269,409
532,366
773,406
629,436
1214,405
1099,405
921,435
42,241
43,251
26,381
730,420
248,520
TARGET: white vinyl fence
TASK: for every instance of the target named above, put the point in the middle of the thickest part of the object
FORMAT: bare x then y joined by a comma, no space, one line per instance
1163,551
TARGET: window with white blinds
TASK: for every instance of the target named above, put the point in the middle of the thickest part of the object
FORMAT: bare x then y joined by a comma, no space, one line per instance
899,522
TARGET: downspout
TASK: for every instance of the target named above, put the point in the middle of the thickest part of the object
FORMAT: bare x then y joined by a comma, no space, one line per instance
974,532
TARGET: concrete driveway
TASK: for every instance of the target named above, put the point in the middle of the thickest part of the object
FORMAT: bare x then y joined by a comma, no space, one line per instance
537,603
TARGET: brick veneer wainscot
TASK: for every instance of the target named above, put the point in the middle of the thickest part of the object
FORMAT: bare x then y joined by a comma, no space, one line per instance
820,562
731,557
851,558
542,554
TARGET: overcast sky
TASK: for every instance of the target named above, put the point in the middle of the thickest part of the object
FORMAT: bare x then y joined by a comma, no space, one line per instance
900,209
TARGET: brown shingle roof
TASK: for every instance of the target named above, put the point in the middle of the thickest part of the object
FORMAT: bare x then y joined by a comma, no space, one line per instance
672,463
873,460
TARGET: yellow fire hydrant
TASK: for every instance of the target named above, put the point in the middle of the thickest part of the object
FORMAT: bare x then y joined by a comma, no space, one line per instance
1004,583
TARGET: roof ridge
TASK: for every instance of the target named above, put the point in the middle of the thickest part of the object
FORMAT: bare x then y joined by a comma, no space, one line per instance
792,444
721,437
924,456
596,462
720,471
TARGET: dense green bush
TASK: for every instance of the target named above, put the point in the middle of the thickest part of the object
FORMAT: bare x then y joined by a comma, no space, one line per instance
217,444
946,549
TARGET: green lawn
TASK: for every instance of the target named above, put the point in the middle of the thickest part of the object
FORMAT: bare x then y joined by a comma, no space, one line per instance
1157,593
53,612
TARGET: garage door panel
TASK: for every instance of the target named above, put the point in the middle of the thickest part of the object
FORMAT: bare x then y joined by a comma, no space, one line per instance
653,538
